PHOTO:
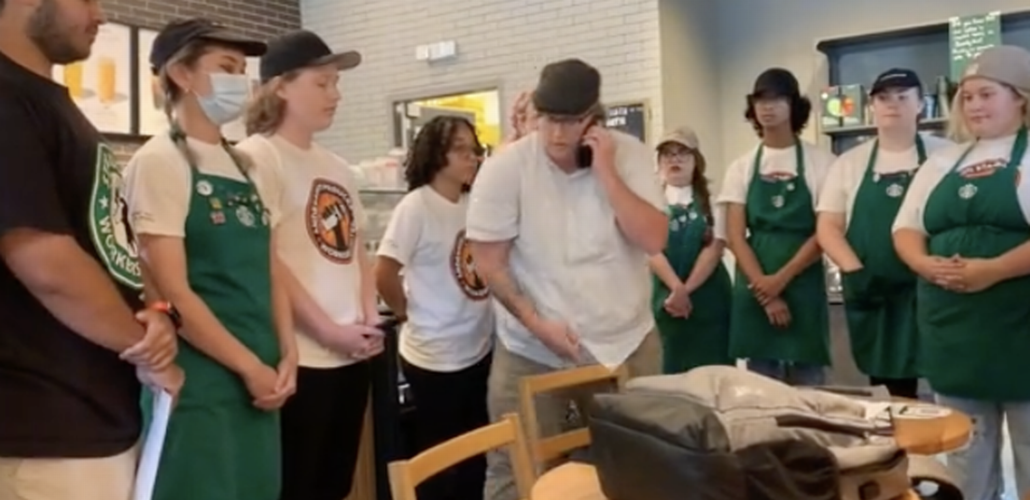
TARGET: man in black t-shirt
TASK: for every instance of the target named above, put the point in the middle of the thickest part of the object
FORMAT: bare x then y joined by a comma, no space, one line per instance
71,347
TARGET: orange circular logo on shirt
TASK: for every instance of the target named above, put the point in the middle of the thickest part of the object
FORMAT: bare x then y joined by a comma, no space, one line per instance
464,270
330,221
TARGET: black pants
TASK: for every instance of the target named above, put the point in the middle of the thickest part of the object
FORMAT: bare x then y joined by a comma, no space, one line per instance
899,387
321,432
447,405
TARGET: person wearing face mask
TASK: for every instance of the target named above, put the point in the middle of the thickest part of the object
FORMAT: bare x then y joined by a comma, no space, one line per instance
426,275
780,310
205,237
329,279
964,228
692,289
858,204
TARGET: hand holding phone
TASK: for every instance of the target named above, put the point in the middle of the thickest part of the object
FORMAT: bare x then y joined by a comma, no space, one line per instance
597,148
585,153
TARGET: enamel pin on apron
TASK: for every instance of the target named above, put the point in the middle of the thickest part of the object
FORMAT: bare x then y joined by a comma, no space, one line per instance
216,204
218,217
204,188
245,216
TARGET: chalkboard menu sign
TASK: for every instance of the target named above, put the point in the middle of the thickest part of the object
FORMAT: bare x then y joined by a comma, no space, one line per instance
970,35
630,118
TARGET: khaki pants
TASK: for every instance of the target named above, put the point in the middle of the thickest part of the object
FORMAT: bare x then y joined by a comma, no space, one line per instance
108,478
503,398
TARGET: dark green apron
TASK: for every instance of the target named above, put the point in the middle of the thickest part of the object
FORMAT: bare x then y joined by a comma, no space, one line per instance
880,299
781,219
219,446
976,345
702,338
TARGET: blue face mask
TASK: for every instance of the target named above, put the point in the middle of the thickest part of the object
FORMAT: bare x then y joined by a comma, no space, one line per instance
228,97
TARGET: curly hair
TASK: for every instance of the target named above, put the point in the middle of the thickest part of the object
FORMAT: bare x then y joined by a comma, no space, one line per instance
428,154
800,111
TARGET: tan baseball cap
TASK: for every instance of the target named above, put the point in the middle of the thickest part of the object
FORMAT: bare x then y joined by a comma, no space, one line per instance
684,136
1006,64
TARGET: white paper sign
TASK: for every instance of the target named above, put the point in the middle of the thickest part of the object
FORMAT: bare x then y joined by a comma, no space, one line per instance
153,444
919,411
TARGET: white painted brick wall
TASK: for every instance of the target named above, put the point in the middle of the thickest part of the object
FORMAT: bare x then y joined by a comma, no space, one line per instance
501,43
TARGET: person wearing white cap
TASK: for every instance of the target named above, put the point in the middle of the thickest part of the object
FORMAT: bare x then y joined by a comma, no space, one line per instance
964,227
780,320
861,197
692,289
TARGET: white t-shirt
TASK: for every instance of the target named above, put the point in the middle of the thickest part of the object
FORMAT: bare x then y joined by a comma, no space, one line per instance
685,196
317,235
910,216
158,186
450,320
846,174
737,180
568,253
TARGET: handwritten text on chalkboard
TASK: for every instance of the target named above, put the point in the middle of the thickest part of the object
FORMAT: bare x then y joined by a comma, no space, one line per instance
971,35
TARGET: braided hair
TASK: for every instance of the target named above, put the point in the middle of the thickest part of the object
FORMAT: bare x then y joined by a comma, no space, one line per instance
699,183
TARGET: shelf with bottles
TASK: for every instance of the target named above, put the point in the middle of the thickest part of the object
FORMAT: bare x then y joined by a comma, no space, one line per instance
854,62
928,124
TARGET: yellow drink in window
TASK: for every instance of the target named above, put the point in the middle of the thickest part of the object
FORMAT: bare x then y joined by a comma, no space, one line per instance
106,72
73,79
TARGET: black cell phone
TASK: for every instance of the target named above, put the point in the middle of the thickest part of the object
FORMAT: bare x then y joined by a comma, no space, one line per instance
584,156
584,153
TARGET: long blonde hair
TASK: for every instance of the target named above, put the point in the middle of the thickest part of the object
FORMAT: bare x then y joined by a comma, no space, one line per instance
959,132
266,110
188,56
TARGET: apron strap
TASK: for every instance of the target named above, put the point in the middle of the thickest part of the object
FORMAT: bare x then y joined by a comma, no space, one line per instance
799,159
178,137
1015,156
920,154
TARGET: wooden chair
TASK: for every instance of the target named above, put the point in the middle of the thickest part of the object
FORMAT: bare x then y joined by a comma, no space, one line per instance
544,449
406,475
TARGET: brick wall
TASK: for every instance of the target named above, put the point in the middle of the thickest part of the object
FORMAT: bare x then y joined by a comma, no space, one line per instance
501,43
261,18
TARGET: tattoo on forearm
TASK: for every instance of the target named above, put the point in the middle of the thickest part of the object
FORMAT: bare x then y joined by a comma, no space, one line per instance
507,291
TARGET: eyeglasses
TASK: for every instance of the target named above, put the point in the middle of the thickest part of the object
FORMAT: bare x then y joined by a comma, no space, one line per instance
674,155
468,150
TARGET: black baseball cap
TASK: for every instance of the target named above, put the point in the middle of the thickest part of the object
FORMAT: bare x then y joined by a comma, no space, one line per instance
567,88
180,33
776,82
896,78
302,49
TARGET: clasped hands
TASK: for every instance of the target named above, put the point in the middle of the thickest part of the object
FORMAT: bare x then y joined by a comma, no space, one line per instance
678,303
154,355
960,274
767,290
